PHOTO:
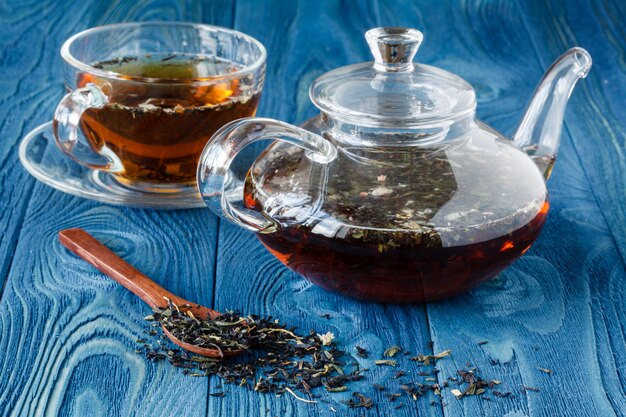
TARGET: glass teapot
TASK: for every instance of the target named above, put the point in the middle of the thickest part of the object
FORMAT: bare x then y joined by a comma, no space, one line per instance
395,192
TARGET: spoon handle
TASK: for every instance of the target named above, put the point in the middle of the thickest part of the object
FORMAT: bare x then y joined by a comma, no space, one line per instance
91,250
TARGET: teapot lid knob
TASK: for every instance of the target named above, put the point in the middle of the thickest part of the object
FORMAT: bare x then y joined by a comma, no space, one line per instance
393,48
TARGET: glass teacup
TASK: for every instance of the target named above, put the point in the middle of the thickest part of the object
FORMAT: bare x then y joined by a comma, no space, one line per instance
146,97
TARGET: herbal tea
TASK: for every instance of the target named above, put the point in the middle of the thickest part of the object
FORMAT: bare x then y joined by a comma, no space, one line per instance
398,225
157,128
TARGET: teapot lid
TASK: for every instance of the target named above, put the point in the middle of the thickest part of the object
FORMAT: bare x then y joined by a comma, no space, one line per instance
393,91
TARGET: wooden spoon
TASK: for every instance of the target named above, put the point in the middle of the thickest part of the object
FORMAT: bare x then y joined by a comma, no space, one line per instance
91,250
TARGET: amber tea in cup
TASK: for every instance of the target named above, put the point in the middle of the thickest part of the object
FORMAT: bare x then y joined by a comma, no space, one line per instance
145,116
158,130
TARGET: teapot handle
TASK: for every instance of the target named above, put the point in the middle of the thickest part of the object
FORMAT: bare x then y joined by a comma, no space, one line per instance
218,187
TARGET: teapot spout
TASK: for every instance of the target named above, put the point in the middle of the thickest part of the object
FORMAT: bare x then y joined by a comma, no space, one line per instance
539,132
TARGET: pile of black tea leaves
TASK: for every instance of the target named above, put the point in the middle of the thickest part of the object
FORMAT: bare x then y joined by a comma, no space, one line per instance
276,359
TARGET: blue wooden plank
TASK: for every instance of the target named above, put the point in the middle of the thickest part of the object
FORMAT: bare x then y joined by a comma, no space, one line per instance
305,39
25,96
547,310
68,334
67,331
597,126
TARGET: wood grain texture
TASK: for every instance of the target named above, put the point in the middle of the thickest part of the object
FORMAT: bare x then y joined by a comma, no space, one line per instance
72,330
25,92
251,280
597,129
543,311
67,334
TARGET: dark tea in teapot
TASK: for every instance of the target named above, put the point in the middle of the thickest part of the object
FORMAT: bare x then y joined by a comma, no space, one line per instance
158,128
401,226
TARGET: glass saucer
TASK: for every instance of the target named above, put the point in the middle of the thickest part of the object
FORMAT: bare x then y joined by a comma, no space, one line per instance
43,160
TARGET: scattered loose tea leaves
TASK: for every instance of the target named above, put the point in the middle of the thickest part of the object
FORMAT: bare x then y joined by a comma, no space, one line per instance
390,352
326,338
336,389
361,352
277,359
359,400
547,371
475,384
392,397
290,391
457,393
416,390
425,359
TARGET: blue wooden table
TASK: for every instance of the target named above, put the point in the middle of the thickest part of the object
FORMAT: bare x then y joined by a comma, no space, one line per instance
68,334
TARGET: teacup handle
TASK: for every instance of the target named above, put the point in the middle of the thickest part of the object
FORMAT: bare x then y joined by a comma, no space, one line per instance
221,192
67,132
